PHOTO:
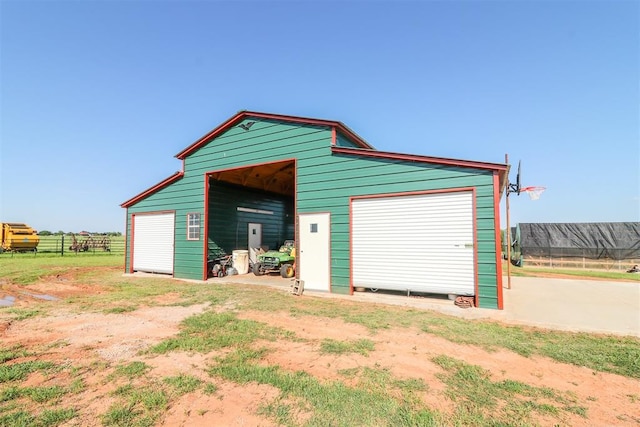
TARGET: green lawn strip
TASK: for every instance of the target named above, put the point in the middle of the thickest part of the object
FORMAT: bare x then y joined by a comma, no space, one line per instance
578,273
37,394
327,403
127,294
211,331
131,370
618,355
144,404
14,352
331,346
481,401
19,371
18,314
183,384
26,269
331,404
55,417
46,418
615,354
137,405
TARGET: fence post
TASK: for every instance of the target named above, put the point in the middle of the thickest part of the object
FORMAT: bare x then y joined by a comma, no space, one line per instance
62,246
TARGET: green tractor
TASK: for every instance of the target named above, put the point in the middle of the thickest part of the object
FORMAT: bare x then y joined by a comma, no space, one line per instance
282,261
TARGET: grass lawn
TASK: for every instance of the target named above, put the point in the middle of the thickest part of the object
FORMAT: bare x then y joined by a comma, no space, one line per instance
240,351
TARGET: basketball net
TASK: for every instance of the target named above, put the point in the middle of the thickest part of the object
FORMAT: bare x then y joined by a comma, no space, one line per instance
533,192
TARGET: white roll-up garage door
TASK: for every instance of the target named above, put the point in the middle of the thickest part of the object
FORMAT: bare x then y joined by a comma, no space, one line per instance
153,237
418,243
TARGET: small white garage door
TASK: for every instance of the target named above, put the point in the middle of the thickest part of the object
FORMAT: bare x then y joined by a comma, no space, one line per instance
418,243
153,237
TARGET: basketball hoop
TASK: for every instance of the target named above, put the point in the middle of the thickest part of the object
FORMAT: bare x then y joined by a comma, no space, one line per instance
533,192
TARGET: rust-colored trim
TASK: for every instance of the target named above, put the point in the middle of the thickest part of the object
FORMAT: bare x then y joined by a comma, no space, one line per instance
413,193
173,178
422,159
126,239
351,245
334,136
296,224
476,285
417,193
496,214
131,242
329,256
205,253
252,165
242,115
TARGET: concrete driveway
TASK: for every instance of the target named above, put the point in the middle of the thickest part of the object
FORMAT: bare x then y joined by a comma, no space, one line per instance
576,305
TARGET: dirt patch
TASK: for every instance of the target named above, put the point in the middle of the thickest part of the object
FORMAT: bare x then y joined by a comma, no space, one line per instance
52,288
96,343
407,353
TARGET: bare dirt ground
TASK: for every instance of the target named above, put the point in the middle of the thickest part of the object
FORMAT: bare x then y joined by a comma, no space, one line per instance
99,341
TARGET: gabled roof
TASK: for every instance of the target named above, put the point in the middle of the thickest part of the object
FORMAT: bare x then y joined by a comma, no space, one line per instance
364,149
243,115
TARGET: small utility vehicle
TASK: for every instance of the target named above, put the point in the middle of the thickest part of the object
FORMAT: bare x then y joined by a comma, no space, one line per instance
282,261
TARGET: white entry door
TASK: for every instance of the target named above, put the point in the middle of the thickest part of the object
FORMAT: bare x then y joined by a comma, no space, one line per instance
255,239
313,258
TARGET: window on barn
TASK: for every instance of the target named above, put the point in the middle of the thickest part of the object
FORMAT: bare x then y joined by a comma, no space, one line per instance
193,226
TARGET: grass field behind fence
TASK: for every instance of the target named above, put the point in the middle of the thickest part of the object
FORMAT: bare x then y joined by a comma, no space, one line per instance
54,245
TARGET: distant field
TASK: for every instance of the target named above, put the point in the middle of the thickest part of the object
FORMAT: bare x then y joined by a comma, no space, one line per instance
571,272
54,245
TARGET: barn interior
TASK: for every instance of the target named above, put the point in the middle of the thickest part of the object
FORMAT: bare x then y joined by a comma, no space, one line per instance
251,207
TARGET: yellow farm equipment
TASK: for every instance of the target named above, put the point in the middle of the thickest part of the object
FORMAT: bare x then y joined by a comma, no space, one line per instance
18,237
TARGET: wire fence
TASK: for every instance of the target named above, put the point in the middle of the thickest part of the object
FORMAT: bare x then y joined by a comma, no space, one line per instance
574,262
67,245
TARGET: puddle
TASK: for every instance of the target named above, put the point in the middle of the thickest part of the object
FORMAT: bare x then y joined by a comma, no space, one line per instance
7,301
42,296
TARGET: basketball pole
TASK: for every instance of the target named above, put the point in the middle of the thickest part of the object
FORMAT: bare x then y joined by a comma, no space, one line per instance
508,233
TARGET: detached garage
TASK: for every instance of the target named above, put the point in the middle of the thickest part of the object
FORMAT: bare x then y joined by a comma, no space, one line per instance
360,217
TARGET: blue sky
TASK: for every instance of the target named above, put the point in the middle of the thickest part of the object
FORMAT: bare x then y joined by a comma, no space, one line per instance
98,96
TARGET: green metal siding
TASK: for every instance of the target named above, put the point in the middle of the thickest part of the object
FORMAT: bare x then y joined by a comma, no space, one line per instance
325,182
180,198
266,141
343,141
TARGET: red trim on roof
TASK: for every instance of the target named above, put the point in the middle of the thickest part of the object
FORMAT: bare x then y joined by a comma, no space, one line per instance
242,115
417,158
496,217
173,178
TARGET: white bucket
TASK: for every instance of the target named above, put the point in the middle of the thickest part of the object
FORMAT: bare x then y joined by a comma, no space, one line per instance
240,260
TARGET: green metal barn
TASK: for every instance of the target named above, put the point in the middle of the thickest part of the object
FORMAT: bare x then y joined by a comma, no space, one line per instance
360,217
